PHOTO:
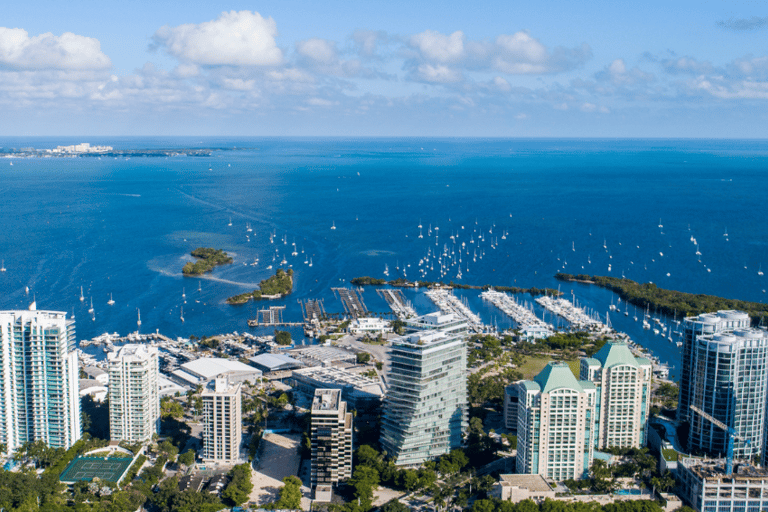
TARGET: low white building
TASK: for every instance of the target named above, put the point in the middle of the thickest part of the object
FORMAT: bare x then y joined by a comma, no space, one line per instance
206,369
370,325
94,388
516,488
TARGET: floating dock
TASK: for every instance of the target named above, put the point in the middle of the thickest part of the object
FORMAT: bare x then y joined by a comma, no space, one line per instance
449,303
397,303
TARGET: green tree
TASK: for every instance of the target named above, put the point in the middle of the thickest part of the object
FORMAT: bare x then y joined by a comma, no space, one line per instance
393,505
187,458
170,407
290,493
364,481
283,337
363,357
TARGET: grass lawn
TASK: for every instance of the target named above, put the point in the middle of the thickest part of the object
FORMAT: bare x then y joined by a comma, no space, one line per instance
534,364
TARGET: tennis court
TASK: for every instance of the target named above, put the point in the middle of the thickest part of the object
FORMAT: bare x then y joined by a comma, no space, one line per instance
88,468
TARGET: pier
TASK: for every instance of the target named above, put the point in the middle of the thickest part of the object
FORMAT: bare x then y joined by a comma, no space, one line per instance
522,316
575,316
449,303
352,300
272,317
397,303
312,310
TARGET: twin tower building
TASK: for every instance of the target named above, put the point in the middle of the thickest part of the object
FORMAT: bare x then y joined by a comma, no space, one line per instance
561,420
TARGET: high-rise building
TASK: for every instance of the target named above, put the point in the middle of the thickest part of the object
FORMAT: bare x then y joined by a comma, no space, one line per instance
724,374
623,384
39,396
331,438
222,427
425,408
555,427
134,403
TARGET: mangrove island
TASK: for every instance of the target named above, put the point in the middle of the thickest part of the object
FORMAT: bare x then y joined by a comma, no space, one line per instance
207,259
274,287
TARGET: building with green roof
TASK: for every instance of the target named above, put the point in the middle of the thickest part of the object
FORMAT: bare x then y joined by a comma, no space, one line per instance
555,434
623,384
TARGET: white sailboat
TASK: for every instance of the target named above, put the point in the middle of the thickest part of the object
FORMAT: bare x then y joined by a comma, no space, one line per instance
90,310
138,322
82,297
182,314
333,225
310,262
230,221
760,270
2,267
111,301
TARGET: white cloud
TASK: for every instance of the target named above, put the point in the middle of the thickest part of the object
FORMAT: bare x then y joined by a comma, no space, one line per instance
318,50
186,70
241,38
437,47
501,84
47,51
438,74
618,74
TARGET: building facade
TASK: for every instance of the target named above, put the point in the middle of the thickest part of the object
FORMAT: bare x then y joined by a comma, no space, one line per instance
39,395
623,384
331,438
555,425
725,375
705,487
134,402
425,408
222,421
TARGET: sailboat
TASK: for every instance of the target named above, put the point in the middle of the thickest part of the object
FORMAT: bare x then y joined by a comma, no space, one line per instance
111,301
138,322
82,297
386,270
183,293
90,310
230,221
182,314
199,287
310,262
760,270
333,225
2,267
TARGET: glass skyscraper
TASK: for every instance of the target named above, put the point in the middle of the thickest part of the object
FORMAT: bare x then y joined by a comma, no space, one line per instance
425,408
39,388
725,375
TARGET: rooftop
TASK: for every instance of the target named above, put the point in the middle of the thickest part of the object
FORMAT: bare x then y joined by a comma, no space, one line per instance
535,483
339,376
326,400
274,362
557,375
210,367
615,354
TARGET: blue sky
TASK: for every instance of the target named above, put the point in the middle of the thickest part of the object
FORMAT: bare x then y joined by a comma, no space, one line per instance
394,68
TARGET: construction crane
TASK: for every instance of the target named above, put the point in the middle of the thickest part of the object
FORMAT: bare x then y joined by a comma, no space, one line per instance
731,437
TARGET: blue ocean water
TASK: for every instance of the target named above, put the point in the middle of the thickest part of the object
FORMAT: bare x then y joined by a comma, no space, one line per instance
529,207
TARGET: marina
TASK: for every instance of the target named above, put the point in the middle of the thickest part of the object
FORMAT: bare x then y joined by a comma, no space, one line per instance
522,316
396,300
575,316
447,302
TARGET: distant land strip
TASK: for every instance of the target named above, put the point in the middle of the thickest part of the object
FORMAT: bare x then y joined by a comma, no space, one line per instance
404,283
668,302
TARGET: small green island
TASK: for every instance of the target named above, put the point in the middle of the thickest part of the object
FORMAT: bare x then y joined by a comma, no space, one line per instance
277,286
207,259
669,302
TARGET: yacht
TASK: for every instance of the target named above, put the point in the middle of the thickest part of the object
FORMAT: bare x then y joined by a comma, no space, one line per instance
230,221
310,262
333,225
2,267
111,301
182,314
82,297
90,310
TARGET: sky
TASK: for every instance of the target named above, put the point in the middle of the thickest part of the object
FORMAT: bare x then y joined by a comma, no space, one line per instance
385,68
